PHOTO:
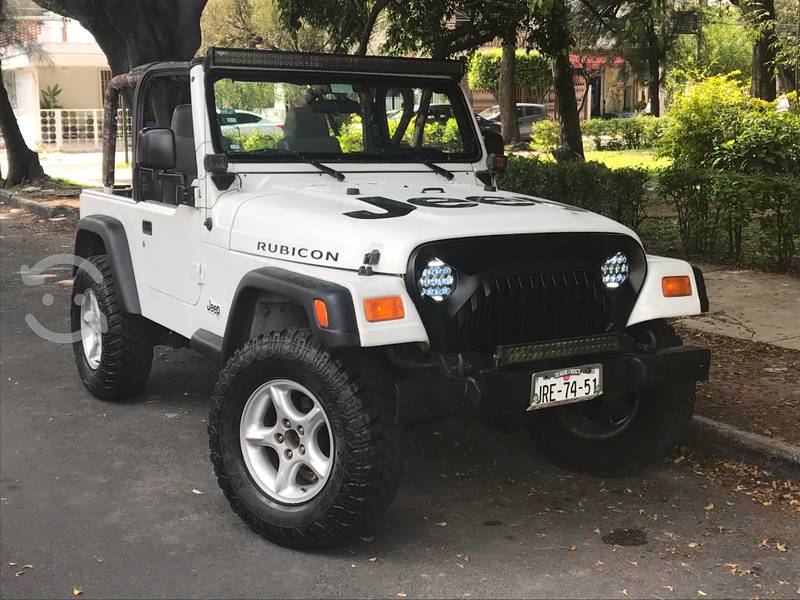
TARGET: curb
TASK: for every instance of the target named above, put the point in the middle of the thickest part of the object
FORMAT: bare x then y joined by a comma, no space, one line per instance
724,439
46,210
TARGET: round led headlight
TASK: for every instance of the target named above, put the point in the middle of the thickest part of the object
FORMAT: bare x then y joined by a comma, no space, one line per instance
437,280
615,270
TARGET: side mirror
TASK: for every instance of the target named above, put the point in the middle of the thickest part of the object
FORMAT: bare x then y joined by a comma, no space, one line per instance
156,149
495,161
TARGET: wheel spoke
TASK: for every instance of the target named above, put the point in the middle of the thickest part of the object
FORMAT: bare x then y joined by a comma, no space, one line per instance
94,349
315,460
312,420
262,436
286,477
284,407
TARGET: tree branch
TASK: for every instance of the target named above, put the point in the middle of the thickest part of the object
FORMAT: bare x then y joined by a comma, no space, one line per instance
377,8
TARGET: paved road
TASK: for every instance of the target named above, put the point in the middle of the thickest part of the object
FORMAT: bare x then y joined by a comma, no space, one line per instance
100,496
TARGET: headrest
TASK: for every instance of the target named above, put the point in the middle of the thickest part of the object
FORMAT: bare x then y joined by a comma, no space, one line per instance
182,121
303,122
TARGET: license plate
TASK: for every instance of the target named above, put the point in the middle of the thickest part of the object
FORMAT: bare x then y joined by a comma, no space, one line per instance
564,386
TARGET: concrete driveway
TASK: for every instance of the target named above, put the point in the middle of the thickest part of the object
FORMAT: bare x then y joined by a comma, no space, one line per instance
104,497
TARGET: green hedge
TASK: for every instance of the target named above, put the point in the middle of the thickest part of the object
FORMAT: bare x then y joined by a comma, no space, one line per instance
743,218
621,134
620,194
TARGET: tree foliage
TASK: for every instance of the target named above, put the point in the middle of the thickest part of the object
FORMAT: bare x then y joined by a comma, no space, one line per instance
444,28
260,24
348,24
725,46
533,71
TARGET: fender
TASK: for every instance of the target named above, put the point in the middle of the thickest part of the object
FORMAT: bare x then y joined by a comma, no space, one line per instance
112,234
301,289
652,304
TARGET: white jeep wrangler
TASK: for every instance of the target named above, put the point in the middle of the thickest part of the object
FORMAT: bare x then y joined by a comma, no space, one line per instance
358,273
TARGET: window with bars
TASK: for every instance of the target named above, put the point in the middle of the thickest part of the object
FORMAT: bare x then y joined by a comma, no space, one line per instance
105,78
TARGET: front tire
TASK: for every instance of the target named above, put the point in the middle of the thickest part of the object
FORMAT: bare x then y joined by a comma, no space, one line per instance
301,441
622,436
114,351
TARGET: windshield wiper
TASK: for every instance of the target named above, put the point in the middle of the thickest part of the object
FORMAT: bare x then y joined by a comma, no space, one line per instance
338,175
425,156
439,170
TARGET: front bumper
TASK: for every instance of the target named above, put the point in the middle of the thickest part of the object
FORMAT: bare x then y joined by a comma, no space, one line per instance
433,396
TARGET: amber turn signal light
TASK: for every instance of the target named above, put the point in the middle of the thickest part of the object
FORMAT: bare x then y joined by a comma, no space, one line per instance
387,308
676,286
321,312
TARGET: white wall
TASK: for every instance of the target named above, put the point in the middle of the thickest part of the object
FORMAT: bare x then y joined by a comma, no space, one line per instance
56,29
81,85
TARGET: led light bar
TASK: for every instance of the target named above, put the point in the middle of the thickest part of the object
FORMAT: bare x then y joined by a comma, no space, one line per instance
308,61
522,353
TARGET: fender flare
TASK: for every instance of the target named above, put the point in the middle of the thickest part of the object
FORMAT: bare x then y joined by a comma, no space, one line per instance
115,240
342,330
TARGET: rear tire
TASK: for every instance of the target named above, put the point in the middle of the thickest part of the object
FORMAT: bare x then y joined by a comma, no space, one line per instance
363,463
654,429
118,365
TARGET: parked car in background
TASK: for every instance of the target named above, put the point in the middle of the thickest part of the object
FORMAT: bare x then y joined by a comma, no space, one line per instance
486,125
443,112
243,122
527,115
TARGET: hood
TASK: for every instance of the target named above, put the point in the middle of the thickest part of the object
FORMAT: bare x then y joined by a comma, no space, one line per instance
331,225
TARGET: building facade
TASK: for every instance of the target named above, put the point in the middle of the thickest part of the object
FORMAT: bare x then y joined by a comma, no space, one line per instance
58,54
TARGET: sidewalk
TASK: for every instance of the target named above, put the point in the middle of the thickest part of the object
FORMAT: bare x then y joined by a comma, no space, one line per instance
84,168
751,305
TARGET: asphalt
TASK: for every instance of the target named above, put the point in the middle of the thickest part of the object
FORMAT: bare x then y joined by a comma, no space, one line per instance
104,498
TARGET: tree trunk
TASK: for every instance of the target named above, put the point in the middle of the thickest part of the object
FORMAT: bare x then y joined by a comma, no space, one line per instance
654,85
23,163
762,82
571,138
507,91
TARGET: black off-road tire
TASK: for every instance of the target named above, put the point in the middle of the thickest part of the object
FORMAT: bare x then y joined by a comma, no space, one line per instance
656,432
366,460
127,347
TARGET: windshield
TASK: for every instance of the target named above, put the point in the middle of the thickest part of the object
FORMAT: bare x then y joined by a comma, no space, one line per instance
490,113
332,117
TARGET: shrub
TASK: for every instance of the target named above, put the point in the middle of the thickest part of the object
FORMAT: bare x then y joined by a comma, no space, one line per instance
350,136
702,118
741,217
745,218
766,142
545,135
620,194
636,132
690,192
256,140
595,129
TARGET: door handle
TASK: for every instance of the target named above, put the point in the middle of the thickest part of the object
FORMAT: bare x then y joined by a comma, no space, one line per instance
147,227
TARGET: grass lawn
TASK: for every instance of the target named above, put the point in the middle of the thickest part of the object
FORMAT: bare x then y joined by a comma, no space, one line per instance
618,159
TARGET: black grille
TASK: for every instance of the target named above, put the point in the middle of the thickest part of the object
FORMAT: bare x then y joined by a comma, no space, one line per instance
511,309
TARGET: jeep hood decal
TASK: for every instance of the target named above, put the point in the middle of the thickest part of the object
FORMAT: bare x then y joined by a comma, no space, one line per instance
326,225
